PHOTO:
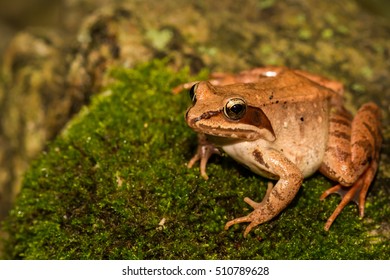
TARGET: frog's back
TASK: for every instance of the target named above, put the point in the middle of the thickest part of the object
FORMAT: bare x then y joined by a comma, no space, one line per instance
298,111
288,86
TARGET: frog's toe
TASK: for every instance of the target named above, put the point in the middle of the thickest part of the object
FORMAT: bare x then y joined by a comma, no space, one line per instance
260,215
252,219
204,151
256,205
244,219
255,218
356,193
250,227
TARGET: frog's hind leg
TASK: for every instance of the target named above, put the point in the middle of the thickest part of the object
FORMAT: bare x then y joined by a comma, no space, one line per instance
352,156
356,193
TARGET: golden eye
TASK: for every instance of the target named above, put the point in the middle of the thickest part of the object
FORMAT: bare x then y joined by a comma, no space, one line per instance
192,93
235,108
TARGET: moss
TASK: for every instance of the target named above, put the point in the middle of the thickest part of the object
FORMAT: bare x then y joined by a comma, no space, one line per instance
114,185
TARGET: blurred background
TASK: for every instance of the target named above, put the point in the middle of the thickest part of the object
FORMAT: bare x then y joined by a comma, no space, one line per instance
66,15
53,54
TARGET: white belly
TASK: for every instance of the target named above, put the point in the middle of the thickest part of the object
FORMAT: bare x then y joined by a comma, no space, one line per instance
306,156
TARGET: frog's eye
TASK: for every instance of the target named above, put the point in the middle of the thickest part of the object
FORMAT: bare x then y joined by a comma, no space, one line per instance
193,93
235,108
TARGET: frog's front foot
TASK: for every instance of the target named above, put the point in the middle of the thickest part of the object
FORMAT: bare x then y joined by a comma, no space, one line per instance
260,215
204,151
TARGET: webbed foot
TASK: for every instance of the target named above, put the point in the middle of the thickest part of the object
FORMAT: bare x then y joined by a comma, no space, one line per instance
356,193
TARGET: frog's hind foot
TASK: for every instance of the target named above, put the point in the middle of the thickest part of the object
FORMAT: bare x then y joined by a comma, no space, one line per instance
356,193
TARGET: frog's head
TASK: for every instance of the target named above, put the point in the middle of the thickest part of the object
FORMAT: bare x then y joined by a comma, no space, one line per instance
227,111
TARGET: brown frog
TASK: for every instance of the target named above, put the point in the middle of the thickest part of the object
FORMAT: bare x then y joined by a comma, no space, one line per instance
285,125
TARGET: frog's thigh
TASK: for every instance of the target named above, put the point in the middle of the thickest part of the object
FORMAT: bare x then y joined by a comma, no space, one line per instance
352,144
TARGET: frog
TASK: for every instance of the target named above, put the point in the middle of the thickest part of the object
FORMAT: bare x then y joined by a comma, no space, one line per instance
285,124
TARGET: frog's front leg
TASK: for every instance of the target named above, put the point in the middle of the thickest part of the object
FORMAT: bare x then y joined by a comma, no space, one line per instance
352,155
277,198
204,151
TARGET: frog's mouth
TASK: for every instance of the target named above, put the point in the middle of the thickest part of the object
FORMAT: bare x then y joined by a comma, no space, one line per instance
214,123
204,116
230,133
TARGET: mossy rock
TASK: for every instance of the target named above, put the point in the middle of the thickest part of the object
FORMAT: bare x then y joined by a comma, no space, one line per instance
114,185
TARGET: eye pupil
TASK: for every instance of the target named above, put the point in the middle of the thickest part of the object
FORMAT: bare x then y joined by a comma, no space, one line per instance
235,108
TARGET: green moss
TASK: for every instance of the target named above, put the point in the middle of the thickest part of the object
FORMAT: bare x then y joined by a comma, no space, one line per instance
105,186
